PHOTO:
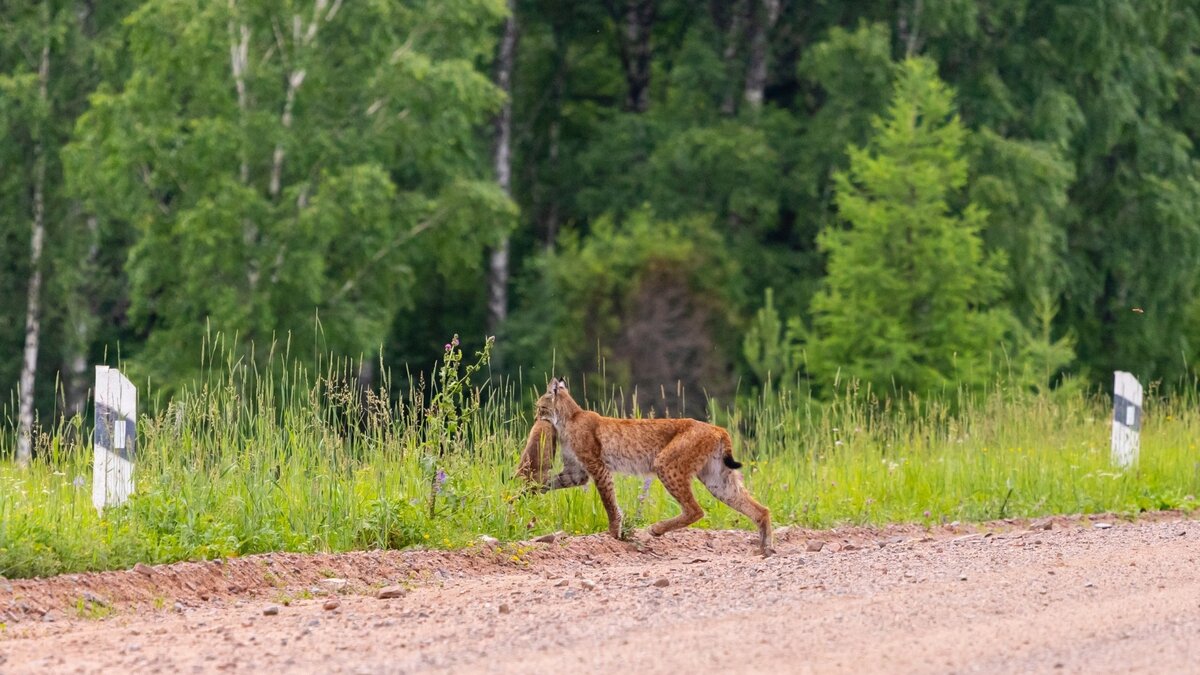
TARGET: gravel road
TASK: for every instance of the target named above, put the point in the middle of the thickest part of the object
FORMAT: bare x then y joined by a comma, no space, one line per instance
1061,595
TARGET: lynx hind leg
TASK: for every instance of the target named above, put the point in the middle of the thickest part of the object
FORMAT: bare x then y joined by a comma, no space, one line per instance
726,485
675,466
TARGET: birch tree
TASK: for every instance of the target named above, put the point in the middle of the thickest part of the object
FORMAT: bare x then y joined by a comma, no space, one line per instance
37,237
288,164
38,41
502,165
764,16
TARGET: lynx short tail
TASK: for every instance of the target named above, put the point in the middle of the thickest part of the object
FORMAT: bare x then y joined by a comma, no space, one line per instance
727,458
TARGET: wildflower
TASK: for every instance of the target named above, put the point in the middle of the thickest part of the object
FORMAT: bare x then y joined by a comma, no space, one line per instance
426,535
448,347
454,341
926,513
439,480
78,482
645,490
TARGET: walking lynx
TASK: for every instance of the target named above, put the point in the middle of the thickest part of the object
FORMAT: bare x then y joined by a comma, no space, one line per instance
675,450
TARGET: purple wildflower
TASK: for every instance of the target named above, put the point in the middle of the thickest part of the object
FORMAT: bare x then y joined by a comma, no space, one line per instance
645,489
448,346
439,480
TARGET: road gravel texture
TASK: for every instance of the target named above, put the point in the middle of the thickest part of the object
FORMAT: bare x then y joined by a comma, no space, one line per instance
1062,595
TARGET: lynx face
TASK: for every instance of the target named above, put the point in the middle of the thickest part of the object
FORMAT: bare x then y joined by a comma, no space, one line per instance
543,409
557,402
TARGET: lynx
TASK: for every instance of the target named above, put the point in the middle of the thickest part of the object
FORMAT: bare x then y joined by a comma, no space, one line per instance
675,450
538,457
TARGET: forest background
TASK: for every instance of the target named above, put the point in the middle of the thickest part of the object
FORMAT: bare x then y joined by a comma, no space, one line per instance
700,197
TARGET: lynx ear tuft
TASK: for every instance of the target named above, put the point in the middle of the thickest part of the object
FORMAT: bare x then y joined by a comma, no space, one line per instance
556,384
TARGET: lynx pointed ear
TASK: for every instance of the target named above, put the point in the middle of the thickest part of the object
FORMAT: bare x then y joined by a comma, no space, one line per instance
556,385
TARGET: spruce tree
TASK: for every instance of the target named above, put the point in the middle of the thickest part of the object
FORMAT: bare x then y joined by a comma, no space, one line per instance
907,300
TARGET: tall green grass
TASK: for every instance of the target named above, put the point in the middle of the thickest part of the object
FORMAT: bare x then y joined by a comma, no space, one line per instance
278,458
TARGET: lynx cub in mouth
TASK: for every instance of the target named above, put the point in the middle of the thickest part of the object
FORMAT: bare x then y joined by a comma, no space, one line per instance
538,457
675,450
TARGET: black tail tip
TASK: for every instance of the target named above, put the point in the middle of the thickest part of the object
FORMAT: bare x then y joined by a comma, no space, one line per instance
732,463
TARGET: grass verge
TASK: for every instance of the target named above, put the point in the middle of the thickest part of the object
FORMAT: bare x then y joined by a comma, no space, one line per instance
278,460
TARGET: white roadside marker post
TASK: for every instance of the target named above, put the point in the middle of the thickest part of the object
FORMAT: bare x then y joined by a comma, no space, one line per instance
1127,419
114,439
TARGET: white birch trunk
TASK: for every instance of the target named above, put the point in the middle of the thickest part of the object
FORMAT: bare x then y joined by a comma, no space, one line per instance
498,276
762,22
83,320
302,39
239,62
239,58
908,28
33,314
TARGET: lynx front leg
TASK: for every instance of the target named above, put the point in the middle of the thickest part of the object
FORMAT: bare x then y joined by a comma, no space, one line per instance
608,496
572,475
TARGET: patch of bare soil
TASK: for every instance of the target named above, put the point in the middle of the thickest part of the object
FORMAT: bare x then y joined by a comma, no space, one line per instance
1055,595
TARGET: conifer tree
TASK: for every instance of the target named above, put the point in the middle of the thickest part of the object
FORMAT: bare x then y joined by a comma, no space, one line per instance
906,303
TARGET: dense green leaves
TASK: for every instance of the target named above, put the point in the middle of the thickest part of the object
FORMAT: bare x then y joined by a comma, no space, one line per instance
281,179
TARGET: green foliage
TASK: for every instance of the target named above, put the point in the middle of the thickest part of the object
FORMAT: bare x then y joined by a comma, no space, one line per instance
906,303
647,293
1023,186
310,178
729,170
853,71
451,405
1041,358
774,351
